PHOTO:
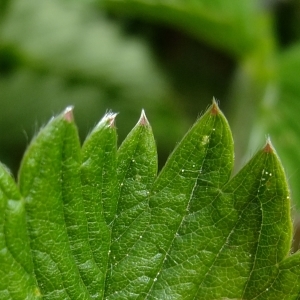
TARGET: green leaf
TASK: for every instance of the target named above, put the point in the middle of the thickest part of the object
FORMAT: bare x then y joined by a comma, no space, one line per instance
192,170
56,221
16,271
103,225
137,169
262,198
100,189
286,284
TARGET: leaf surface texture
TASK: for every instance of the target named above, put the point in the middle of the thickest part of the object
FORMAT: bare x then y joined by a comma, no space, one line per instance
97,222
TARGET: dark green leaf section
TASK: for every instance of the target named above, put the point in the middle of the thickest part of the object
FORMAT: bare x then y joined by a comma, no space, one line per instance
201,162
137,170
100,189
16,268
57,227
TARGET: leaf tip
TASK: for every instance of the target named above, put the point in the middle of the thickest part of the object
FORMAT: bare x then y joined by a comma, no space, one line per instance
143,121
268,148
110,118
214,107
68,114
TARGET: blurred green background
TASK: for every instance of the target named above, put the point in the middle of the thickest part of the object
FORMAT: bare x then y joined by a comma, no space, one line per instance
169,57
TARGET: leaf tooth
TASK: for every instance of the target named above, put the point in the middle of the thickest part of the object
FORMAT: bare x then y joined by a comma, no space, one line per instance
215,110
268,148
143,121
68,114
108,120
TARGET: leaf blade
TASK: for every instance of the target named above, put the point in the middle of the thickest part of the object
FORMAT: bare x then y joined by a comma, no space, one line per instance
140,269
137,168
275,233
100,189
286,284
190,233
50,167
17,277
212,170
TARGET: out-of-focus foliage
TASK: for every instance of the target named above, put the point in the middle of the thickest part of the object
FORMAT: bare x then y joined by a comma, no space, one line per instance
280,114
169,57
56,53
